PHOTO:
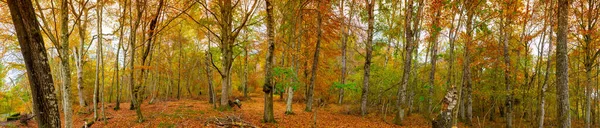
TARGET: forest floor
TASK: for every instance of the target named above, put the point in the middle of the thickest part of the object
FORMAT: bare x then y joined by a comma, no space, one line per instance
196,112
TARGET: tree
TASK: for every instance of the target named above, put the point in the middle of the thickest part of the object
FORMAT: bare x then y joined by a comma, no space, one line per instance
586,22
544,84
211,90
268,87
226,37
135,94
98,60
38,70
411,24
65,66
562,66
505,38
119,46
315,64
80,51
435,30
367,66
467,83
345,33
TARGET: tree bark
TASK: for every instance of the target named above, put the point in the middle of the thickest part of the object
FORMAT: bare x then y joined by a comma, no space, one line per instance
135,91
401,100
435,33
179,71
591,53
122,22
80,52
246,71
545,85
45,104
211,90
315,64
268,86
367,66
226,48
562,66
98,59
65,66
444,119
344,45
507,66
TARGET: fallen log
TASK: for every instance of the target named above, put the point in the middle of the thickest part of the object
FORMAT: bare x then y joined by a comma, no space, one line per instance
229,121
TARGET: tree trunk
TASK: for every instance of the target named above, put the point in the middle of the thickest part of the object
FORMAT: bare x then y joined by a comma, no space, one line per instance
401,101
591,53
246,71
268,86
467,83
288,104
588,93
98,59
122,21
444,119
562,66
135,94
315,64
179,71
453,32
65,66
79,52
344,46
36,62
101,89
507,66
211,90
545,85
367,66
226,48
434,36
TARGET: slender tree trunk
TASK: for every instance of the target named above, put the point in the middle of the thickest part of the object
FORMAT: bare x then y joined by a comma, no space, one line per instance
588,93
246,71
102,74
450,79
315,64
591,54
122,22
135,94
80,52
435,25
101,89
367,66
65,66
507,66
179,68
562,66
467,63
401,101
45,104
344,45
98,59
211,90
155,91
545,85
268,87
